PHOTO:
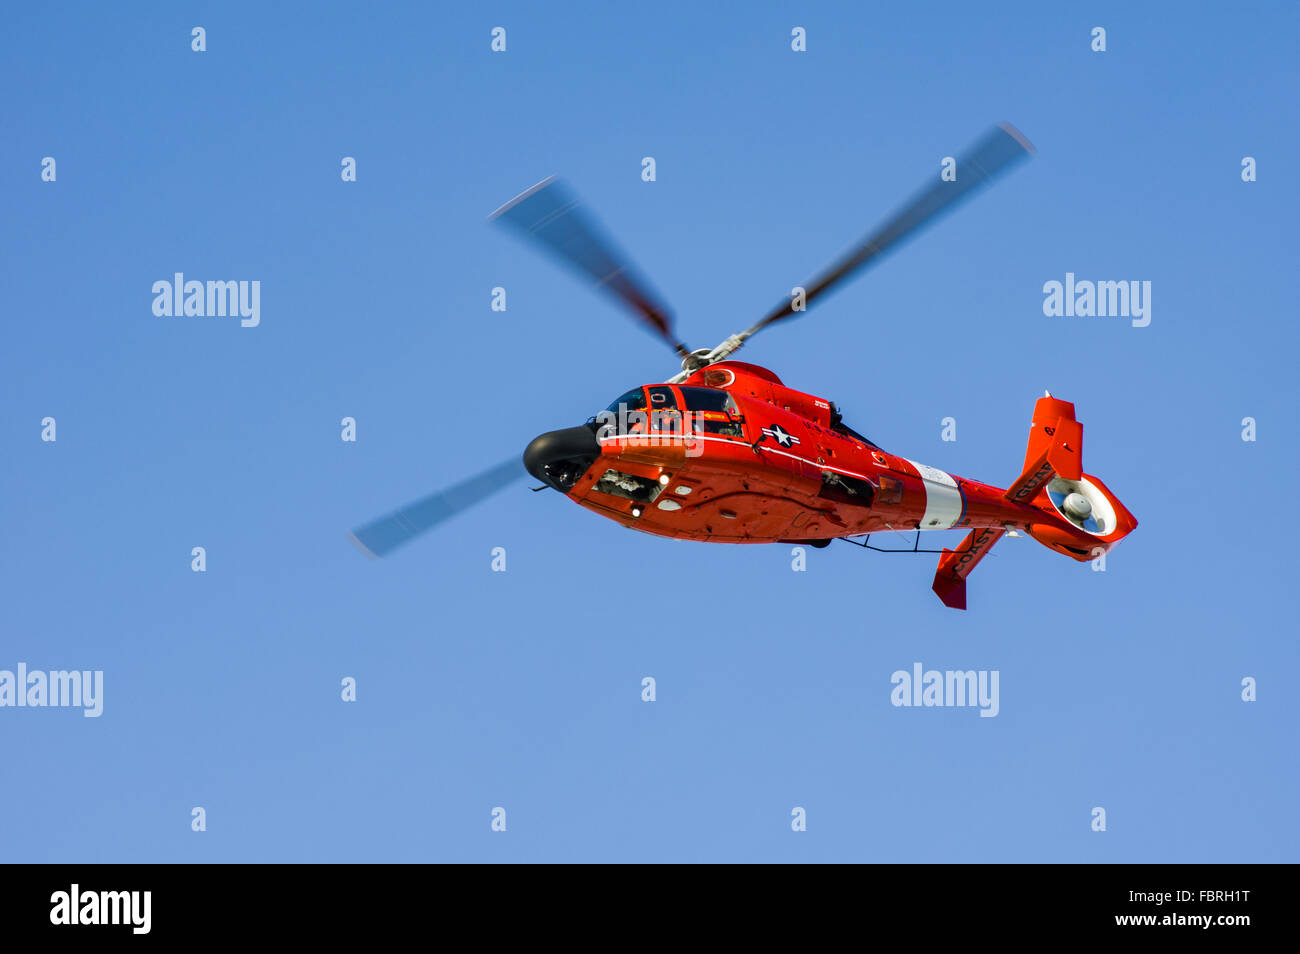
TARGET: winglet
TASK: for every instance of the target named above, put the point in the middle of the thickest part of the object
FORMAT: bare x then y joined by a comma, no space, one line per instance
951,591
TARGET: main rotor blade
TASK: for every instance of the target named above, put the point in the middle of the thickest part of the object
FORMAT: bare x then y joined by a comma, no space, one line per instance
1000,149
380,537
549,213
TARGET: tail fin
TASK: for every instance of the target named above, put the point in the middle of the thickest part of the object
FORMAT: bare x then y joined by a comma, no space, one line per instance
1055,448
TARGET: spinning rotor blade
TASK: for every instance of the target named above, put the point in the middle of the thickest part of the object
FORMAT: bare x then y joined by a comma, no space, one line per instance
550,214
382,536
1000,149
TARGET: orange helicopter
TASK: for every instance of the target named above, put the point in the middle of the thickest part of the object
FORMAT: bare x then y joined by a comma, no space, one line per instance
724,452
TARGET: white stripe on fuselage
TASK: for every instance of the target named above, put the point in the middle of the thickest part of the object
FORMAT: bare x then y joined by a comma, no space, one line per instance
943,504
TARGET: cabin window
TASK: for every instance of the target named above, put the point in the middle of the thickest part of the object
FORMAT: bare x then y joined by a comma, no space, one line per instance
709,399
713,422
715,411
891,491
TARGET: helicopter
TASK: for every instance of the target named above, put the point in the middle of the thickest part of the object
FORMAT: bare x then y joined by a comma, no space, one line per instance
724,452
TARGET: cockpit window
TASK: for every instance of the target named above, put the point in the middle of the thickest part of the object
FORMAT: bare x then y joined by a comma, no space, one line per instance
632,401
664,415
662,398
709,399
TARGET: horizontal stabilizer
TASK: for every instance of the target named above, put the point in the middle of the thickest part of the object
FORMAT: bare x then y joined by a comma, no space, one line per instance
955,565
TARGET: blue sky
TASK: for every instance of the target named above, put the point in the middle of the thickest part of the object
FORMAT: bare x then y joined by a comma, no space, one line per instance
522,689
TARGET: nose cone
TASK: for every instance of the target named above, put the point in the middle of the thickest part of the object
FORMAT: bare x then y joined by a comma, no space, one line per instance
559,458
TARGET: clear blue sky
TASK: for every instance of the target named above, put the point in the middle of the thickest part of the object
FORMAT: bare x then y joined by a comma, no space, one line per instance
522,689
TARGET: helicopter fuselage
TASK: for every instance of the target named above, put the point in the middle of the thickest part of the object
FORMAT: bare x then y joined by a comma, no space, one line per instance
778,467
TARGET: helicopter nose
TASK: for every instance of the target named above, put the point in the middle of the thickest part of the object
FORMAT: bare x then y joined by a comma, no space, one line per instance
559,458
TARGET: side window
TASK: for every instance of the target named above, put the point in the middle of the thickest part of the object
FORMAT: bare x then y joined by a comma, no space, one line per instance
708,399
712,411
715,423
891,491
664,415
662,398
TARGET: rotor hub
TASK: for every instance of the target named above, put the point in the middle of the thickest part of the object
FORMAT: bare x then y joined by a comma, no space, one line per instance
1078,506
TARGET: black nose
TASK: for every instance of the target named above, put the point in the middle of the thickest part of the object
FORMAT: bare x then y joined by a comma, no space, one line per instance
559,458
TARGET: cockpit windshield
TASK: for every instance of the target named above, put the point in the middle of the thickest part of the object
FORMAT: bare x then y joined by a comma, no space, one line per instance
631,401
